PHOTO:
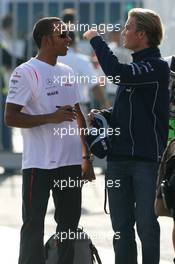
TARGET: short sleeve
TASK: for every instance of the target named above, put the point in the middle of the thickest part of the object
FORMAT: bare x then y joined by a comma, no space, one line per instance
20,91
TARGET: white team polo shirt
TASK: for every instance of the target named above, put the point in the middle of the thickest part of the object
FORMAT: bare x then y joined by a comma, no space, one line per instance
36,85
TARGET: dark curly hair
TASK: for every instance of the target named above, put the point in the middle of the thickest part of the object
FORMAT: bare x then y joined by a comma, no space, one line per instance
43,27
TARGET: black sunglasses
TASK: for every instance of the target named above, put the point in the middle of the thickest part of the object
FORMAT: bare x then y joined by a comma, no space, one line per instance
64,34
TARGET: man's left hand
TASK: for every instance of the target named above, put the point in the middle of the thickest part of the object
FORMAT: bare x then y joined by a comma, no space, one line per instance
87,170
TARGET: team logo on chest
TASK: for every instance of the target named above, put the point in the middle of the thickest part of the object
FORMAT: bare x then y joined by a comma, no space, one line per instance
52,93
63,80
49,82
50,85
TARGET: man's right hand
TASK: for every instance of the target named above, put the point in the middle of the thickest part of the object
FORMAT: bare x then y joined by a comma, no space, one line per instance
89,34
90,117
64,113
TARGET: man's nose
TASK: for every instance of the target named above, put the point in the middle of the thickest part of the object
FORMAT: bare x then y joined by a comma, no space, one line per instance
123,32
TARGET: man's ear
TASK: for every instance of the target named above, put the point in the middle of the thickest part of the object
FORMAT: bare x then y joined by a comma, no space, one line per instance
141,34
46,41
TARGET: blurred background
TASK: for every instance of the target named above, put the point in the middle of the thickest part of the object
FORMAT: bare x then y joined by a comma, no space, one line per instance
17,18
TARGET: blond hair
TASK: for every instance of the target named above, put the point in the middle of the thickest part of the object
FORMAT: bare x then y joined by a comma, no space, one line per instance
147,20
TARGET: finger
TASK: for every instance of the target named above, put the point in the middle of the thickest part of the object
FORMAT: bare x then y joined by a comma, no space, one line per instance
90,119
94,177
83,181
68,112
92,174
91,116
68,117
68,120
86,177
67,107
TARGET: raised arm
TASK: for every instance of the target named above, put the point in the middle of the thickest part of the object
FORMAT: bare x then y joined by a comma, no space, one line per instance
135,72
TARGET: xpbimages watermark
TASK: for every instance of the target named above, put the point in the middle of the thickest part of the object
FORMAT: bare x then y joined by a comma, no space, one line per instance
98,236
72,131
79,183
71,79
101,28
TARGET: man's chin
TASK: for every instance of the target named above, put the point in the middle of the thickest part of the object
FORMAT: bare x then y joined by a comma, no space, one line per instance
125,45
63,53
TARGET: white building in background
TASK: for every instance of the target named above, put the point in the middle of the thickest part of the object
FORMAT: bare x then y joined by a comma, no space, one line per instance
88,11
166,10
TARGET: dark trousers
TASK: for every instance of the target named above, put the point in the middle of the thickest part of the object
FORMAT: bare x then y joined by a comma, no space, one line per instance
37,184
133,202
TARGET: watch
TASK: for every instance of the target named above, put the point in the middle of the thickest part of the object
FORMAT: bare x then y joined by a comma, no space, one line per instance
89,157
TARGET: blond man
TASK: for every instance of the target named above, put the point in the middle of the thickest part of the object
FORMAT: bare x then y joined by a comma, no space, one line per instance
141,112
